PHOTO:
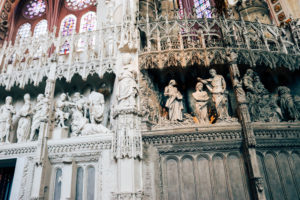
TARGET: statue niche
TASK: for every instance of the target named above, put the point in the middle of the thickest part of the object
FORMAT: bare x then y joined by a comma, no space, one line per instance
201,97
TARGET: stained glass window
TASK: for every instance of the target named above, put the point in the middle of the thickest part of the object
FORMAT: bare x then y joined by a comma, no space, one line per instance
67,28
181,12
68,25
24,31
41,28
88,22
203,8
79,4
34,8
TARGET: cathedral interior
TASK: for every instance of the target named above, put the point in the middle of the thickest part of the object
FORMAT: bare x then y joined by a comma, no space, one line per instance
150,99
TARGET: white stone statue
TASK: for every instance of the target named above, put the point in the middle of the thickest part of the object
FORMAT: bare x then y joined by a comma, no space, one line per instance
174,102
6,113
80,124
40,114
217,86
127,86
24,115
201,97
61,110
80,102
96,107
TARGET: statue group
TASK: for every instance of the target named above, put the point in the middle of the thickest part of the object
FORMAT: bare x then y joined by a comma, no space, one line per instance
263,106
82,116
266,107
216,85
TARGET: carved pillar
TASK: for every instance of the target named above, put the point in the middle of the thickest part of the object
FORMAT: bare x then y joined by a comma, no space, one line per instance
42,170
249,143
127,141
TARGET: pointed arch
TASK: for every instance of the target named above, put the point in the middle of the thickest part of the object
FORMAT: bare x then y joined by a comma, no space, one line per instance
68,25
24,31
41,28
88,22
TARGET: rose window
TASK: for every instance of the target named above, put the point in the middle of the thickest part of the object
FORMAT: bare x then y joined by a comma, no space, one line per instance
34,8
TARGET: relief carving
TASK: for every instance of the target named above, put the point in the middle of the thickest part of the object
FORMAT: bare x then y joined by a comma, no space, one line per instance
24,116
6,114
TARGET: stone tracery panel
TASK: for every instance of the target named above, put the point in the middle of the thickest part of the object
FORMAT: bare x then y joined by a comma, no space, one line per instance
204,176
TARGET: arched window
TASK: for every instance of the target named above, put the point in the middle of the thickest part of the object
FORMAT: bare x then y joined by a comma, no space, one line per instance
88,22
79,184
203,8
41,28
24,31
68,25
67,28
57,185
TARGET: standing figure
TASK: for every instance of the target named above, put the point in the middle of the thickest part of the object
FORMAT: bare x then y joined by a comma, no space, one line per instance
40,114
61,110
174,102
201,98
96,107
6,113
287,104
127,87
24,124
80,103
217,86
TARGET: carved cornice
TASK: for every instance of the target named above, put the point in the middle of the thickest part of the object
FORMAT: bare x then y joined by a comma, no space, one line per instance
17,150
277,130
183,135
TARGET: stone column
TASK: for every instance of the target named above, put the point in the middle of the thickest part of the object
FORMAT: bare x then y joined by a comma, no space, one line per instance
249,142
127,141
42,170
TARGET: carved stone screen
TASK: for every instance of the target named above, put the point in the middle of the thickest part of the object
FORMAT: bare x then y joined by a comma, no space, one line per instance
205,177
281,172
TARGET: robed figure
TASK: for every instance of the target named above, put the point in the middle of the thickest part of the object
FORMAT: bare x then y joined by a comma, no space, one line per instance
174,102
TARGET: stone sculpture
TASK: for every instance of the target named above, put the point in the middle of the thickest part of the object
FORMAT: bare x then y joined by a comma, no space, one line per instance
174,102
262,106
201,97
24,116
40,115
287,104
96,107
217,87
128,89
6,113
80,124
61,110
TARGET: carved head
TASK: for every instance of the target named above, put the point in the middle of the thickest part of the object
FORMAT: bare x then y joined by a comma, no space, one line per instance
77,95
172,82
213,72
199,86
282,90
8,100
126,59
40,97
27,97
63,97
250,72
